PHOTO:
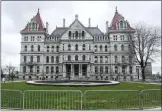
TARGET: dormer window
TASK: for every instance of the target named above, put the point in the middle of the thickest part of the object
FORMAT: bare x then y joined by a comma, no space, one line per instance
121,24
83,34
76,34
70,34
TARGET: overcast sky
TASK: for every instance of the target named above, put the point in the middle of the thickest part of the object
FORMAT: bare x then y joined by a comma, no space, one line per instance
15,16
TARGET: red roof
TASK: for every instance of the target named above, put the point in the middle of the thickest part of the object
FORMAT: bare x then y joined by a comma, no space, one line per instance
39,21
115,20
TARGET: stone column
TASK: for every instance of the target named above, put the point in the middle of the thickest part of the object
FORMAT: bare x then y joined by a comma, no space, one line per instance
64,72
80,75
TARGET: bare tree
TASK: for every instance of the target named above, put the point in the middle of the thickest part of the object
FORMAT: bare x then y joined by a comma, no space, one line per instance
10,70
146,44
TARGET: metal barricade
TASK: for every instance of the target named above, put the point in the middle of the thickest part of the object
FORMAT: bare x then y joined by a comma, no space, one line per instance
150,98
11,99
53,99
110,99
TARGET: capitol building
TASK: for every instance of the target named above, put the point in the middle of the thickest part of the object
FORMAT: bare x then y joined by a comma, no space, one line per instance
78,52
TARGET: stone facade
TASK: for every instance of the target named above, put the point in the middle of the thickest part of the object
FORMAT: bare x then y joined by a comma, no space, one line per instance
77,52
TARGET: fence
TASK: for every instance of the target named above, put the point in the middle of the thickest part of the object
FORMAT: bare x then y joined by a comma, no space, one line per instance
76,100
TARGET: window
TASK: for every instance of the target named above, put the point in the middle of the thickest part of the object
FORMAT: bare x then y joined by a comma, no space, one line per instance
25,47
101,59
32,48
83,46
129,47
83,34
116,69
106,59
121,37
63,47
89,47
123,59
31,59
52,48
121,24
38,58
24,59
47,48
115,37
47,59
106,70
101,70
100,47
76,58
122,47
37,69
31,69
76,34
95,48
123,69
130,69
57,48
70,34
57,59
69,58
96,70
47,69
116,59
52,59
24,69
52,69
69,47
95,59
106,48
76,47
83,58
57,69
38,47
115,47
130,59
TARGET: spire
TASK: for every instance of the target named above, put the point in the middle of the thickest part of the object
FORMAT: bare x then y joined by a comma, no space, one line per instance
116,9
38,10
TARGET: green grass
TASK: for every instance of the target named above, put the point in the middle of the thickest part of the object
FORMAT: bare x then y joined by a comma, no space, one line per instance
71,100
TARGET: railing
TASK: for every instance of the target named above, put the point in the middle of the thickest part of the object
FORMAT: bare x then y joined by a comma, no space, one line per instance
77,100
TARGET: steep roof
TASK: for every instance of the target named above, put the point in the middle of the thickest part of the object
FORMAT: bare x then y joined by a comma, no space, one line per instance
38,21
94,31
115,20
58,31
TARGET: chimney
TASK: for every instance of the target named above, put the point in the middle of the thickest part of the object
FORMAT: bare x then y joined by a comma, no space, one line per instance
64,22
107,24
46,27
89,22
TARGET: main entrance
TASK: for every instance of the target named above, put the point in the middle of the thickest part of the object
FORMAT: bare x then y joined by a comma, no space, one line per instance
76,69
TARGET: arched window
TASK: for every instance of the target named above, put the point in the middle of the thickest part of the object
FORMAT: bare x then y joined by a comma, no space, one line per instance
96,59
101,70
38,58
24,69
47,48
106,59
69,58
115,47
123,69
121,24
122,47
83,34
76,47
83,46
76,57
57,59
96,70
52,48
95,48
52,59
106,70
32,48
76,34
26,48
52,69
47,59
130,69
89,47
116,59
70,34
38,47
37,69
31,69
69,47
47,69
83,57
24,59
130,59
57,48
100,47
57,69
123,59
31,59
101,59
116,69
106,48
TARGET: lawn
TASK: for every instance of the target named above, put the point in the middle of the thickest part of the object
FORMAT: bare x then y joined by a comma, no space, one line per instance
72,99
